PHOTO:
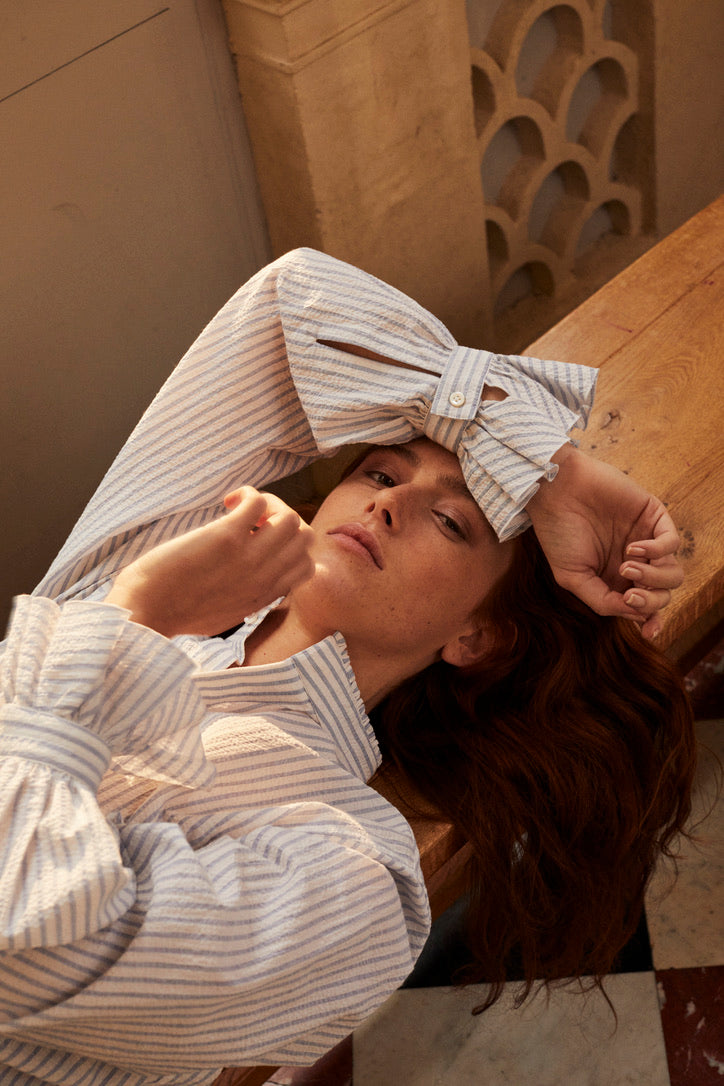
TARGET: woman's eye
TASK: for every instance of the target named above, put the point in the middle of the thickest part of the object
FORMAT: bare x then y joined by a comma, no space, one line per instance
381,477
451,525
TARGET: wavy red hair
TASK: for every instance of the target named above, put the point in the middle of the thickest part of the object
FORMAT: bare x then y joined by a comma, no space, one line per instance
566,758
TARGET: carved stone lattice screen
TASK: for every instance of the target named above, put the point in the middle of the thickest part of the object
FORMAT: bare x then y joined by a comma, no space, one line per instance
555,103
498,189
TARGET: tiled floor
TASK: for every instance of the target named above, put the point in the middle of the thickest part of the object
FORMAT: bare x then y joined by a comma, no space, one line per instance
669,998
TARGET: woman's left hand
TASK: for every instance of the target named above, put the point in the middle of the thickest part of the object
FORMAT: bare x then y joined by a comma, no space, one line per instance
607,540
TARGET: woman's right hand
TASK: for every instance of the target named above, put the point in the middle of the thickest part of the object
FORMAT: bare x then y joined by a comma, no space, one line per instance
208,580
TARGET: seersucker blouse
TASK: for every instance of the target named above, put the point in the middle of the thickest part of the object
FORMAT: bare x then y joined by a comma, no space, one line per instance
194,872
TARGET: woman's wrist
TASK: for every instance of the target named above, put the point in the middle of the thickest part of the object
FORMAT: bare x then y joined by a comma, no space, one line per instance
127,593
547,493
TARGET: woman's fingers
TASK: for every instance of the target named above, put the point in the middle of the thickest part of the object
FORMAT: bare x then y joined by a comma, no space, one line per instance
666,573
654,571
280,542
647,602
248,505
291,542
664,541
652,627
252,509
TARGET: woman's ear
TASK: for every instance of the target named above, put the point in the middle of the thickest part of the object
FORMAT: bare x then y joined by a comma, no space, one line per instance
467,649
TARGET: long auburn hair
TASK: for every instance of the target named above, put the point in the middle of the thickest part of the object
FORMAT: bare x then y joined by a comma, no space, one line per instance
566,759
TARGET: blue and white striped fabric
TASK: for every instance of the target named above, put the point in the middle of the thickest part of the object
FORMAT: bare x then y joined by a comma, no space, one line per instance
195,872
261,394
253,911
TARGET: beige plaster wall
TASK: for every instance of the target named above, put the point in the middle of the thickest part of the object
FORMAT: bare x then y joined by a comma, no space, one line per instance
689,105
129,215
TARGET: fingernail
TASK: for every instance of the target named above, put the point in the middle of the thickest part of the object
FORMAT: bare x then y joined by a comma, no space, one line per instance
635,550
630,571
634,599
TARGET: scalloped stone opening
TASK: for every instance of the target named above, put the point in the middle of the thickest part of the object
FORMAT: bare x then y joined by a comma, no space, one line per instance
548,55
513,153
594,103
483,99
607,20
611,217
531,279
497,244
624,164
560,200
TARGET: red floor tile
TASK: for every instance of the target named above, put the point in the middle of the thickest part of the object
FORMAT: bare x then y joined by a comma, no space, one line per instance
692,1015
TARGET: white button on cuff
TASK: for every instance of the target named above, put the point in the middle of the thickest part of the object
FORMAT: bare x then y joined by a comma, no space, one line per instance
456,399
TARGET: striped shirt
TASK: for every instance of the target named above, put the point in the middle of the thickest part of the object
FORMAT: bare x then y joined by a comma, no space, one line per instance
195,872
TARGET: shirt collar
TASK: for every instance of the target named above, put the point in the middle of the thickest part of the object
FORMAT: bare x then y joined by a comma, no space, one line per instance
317,682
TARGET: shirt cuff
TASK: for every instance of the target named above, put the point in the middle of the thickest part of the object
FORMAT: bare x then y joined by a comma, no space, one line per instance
121,689
423,383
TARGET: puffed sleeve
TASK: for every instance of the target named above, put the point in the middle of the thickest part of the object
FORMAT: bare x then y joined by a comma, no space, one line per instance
72,696
282,376
434,387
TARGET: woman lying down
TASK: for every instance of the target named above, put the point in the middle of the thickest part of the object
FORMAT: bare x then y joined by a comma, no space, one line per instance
195,870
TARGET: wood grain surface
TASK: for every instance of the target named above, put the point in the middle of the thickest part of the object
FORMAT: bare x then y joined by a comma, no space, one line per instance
656,332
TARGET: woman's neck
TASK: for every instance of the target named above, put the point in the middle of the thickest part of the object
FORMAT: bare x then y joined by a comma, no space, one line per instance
278,636
282,634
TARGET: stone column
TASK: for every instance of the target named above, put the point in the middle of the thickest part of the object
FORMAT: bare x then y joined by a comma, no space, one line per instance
361,120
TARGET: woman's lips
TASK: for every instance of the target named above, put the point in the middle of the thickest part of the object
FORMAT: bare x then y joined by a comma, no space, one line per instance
363,537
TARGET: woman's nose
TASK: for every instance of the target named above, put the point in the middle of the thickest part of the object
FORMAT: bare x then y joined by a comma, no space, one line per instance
387,507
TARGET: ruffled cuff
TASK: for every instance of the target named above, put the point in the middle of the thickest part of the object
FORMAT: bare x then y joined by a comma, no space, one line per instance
82,684
506,450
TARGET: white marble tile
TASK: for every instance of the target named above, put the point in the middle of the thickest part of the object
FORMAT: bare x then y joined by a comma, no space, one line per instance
427,1037
686,916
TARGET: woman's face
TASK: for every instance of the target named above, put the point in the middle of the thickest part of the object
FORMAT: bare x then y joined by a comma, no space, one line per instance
403,556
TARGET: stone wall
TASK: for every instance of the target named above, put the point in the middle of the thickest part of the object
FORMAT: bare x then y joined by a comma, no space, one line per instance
362,128
496,160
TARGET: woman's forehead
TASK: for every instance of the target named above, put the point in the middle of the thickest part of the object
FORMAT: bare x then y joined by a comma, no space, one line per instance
421,452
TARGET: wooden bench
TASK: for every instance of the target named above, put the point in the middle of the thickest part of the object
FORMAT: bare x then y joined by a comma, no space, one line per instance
656,332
